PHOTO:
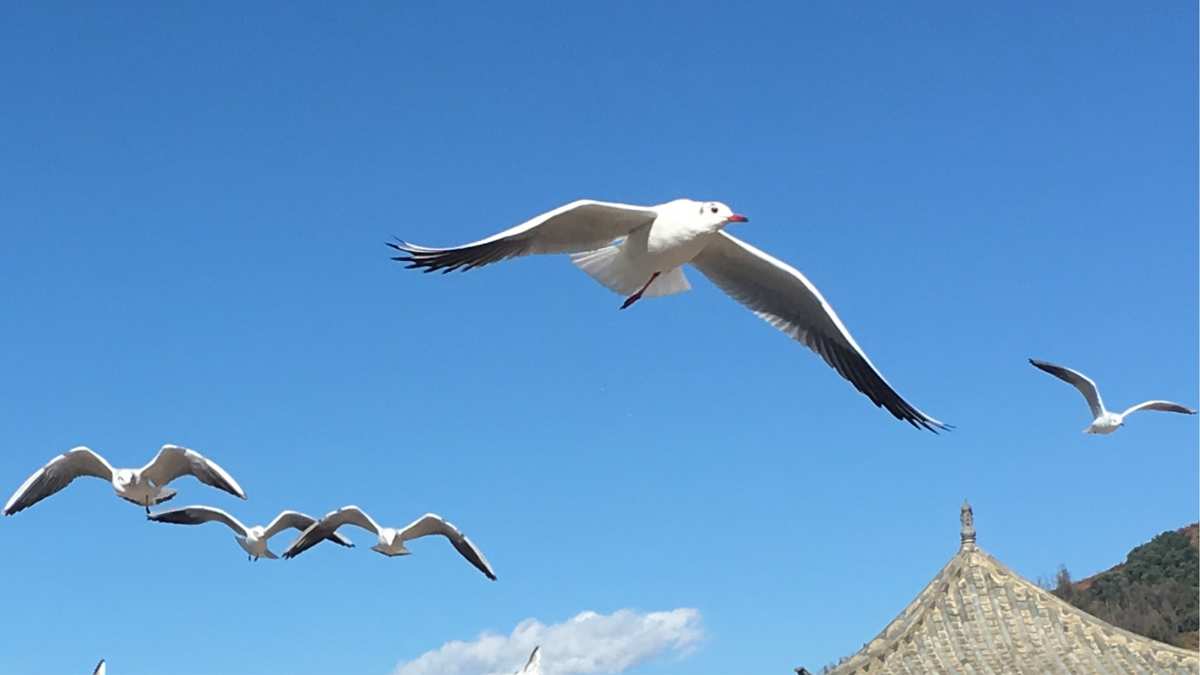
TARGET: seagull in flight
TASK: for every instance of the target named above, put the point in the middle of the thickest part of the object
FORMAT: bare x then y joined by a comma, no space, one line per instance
391,541
253,540
639,252
1105,422
534,665
101,669
145,486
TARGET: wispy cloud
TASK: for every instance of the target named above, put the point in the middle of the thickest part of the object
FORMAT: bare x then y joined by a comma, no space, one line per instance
586,643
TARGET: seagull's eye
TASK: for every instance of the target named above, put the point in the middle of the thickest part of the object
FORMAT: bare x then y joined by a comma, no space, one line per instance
714,209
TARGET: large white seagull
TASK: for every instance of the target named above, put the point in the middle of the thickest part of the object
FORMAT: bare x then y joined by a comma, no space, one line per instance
639,251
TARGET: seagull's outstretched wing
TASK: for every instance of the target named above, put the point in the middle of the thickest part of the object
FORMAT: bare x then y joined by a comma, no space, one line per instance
579,226
779,294
172,461
1078,380
101,669
299,521
432,523
56,475
313,534
195,515
534,665
1164,406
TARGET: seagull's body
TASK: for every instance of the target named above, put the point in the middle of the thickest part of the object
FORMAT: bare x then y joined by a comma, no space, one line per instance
253,540
1105,421
639,251
145,486
390,540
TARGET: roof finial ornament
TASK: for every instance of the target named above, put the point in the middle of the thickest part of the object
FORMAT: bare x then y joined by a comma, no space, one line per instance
967,517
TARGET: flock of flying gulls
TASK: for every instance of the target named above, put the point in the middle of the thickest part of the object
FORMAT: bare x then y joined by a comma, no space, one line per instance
146,487
636,251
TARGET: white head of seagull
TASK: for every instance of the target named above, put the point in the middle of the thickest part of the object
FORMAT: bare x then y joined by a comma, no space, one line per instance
712,216
145,486
390,540
639,252
253,540
1104,421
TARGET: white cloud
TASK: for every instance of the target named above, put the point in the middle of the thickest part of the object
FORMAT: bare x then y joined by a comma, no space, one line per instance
586,643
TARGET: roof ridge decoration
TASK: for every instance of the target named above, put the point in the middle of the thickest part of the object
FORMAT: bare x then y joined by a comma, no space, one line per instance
967,517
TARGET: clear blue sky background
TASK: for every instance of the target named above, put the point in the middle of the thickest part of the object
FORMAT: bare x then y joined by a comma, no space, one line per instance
195,202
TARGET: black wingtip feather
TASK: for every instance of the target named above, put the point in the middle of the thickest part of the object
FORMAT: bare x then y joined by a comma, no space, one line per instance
876,389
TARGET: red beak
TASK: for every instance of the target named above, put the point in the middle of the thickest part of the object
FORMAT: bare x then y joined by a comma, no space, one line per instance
737,218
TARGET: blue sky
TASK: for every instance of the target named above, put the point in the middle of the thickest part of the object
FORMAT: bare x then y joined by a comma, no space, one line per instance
195,204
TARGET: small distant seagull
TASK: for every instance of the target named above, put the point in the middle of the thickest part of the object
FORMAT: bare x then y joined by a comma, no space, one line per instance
253,540
652,244
101,669
534,665
145,486
1105,422
391,541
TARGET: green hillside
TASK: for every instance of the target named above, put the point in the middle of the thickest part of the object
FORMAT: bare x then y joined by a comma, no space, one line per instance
1155,592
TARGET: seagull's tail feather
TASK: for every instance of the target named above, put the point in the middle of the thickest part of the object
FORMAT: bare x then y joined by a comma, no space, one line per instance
617,272
164,495
668,283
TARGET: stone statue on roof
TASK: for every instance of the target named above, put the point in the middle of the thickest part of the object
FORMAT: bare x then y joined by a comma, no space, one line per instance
967,517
